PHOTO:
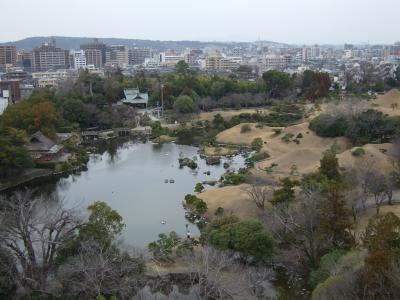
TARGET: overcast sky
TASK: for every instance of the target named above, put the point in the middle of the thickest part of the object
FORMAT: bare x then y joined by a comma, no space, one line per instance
290,21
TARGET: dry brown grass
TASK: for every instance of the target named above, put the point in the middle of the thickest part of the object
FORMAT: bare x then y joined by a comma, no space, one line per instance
384,103
228,114
233,199
219,151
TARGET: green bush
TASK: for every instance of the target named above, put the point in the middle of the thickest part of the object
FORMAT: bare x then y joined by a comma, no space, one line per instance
257,144
233,178
198,206
358,151
287,137
328,126
247,237
255,158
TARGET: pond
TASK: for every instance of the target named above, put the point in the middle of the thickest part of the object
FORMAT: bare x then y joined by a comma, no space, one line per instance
131,179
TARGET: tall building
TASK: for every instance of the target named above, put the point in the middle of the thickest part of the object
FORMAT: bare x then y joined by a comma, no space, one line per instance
78,59
138,56
95,53
48,56
117,55
219,62
94,57
24,59
8,55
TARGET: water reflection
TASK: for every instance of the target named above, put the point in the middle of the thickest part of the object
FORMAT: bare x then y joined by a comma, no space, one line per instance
132,177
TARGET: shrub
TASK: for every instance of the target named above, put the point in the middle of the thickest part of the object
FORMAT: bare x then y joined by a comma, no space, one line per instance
248,237
255,158
233,178
245,128
197,205
257,144
358,151
199,187
329,126
287,137
277,130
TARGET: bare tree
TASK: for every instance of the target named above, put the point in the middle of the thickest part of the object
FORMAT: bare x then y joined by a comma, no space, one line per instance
207,269
378,187
33,229
259,194
395,154
99,270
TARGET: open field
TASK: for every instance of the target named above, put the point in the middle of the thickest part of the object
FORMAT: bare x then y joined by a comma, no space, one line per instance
305,154
232,198
388,103
228,114
299,154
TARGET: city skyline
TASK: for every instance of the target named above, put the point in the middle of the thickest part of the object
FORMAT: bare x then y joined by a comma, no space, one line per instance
336,22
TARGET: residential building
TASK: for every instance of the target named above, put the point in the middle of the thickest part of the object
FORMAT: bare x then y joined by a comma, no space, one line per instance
137,56
10,90
274,62
219,62
49,79
78,59
117,55
48,57
24,60
8,55
94,57
170,58
95,53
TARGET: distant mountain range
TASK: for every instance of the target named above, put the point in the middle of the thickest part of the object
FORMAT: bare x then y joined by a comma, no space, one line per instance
74,43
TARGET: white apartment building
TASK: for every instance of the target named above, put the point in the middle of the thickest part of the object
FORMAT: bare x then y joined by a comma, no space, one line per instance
78,59
273,62
170,59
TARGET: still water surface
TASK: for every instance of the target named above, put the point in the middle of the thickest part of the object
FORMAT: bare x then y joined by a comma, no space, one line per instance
132,181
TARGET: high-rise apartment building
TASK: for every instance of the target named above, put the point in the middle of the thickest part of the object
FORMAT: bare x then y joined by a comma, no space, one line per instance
95,53
48,56
8,55
117,55
78,59
24,59
138,56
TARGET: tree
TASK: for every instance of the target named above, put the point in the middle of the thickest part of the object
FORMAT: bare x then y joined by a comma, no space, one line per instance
14,157
100,271
336,221
217,89
277,82
315,84
247,237
199,187
184,104
286,193
33,229
182,68
382,239
75,111
259,194
377,186
329,165
257,144
162,249
103,225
